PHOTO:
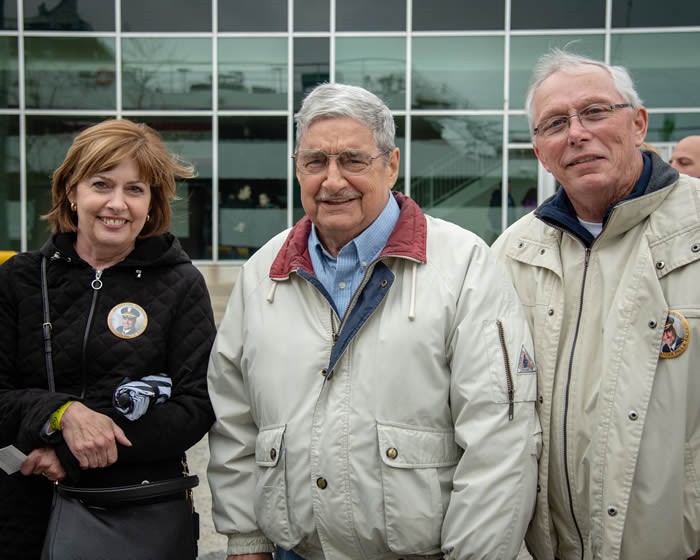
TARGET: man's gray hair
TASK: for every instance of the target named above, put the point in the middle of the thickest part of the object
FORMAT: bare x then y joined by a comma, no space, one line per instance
558,60
330,101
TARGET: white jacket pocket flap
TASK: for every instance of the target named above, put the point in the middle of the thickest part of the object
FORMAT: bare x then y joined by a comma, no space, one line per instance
407,447
268,446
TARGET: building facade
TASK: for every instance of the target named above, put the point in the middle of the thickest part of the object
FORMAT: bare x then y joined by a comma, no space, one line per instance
221,80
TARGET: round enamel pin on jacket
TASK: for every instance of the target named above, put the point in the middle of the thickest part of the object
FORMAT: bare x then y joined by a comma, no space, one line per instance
127,320
676,335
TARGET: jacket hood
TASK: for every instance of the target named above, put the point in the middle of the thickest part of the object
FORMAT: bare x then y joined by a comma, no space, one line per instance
164,250
407,240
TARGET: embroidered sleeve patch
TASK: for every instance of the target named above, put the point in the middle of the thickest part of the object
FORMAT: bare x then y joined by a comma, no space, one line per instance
525,363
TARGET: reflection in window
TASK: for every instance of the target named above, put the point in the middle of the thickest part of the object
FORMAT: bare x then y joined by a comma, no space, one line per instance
656,60
253,163
449,74
377,64
524,52
253,15
63,15
48,140
370,15
522,182
456,165
9,85
671,127
165,15
167,73
253,73
10,234
8,15
69,73
519,131
191,139
457,15
311,56
312,15
557,14
652,13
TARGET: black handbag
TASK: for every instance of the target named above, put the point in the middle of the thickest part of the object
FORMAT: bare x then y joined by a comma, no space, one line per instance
147,521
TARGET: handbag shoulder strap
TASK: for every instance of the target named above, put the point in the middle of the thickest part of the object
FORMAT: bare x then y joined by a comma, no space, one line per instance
46,326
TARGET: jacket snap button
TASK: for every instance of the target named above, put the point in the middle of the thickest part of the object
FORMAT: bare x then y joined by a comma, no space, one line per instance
652,324
324,371
521,245
392,453
322,483
542,251
612,511
273,453
550,312
695,247
632,415
541,399
660,265
384,283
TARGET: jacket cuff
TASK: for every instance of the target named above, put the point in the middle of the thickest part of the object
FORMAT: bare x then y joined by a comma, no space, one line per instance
249,543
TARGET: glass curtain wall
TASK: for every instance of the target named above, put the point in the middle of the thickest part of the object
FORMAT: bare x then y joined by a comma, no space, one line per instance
221,81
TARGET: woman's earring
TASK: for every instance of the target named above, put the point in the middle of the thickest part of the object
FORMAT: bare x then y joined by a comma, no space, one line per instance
73,207
148,218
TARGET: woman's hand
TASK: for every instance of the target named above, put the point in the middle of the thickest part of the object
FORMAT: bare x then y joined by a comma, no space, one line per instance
43,461
92,437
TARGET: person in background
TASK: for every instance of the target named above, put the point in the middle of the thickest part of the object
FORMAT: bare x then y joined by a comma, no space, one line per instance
600,267
686,156
110,252
371,377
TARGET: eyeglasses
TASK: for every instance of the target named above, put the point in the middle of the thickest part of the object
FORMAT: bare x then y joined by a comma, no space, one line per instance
350,162
587,116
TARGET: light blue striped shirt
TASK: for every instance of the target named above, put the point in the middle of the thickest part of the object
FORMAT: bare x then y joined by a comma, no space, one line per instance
342,275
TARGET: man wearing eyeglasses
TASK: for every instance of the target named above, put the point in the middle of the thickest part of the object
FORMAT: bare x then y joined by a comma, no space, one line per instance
600,268
372,377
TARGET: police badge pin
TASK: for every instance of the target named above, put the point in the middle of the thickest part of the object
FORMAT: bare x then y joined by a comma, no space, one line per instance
675,337
127,320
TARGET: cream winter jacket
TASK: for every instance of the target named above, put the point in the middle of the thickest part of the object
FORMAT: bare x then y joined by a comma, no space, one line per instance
408,429
625,423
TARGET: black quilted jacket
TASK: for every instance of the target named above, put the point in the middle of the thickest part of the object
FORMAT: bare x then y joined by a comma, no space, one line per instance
90,360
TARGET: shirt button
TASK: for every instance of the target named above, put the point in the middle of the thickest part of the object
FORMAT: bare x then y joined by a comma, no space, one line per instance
322,483
341,285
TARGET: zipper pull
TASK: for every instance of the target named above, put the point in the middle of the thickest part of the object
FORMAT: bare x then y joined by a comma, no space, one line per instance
138,273
97,283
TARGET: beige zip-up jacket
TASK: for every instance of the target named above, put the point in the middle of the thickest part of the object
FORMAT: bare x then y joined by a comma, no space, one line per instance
619,473
408,430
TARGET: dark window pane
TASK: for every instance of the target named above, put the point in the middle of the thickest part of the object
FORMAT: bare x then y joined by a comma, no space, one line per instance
524,52
522,184
457,15
70,73
456,166
48,140
519,131
311,58
253,15
374,63
665,67
166,73
166,15
253,73
9,91
671,127
8,15
63,15
190,138
10,234
370,15
458,72
311,15
556,14
253,165
652,13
